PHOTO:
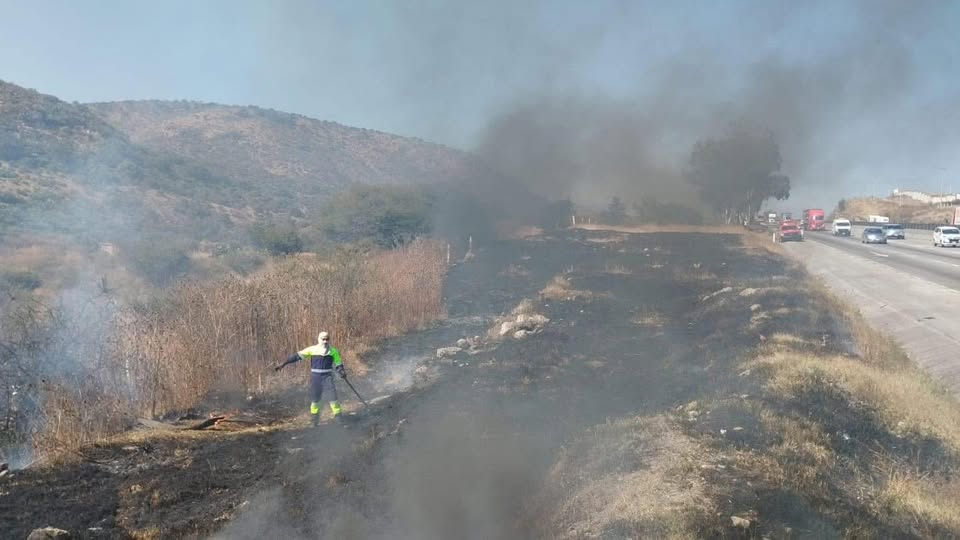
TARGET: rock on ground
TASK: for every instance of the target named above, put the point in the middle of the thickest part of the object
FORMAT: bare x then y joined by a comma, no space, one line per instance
49,533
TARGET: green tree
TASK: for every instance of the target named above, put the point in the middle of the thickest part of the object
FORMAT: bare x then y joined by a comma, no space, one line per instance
387,215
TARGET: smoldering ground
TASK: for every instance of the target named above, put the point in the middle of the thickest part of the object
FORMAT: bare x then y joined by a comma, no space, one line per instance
465,456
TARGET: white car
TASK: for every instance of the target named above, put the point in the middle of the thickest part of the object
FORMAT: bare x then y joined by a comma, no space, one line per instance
946,236
841,227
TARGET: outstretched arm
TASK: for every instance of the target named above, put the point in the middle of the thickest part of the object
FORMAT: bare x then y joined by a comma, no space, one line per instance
294,358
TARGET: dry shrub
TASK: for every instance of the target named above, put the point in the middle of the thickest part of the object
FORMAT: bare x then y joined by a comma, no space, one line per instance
76,414
634,477
224,335
560,288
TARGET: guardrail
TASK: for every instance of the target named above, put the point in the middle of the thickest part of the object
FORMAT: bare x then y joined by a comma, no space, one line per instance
915,226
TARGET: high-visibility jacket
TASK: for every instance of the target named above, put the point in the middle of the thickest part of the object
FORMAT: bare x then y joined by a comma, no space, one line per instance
321,360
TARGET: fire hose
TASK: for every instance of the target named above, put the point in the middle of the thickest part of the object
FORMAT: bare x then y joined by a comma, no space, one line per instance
365,404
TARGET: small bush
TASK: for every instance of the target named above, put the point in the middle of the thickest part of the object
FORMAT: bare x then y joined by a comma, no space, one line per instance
276,240
160,260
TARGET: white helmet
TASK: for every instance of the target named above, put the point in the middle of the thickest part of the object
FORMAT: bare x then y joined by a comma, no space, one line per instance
322,336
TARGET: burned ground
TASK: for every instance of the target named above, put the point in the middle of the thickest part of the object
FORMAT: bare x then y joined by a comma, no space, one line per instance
643,408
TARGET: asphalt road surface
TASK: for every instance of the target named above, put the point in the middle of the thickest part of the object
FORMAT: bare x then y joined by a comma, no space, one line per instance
907,288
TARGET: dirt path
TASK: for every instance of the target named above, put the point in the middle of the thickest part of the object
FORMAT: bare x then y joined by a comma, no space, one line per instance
642,326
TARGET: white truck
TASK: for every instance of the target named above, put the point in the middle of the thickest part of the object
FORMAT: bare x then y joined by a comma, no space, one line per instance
878,219
841,227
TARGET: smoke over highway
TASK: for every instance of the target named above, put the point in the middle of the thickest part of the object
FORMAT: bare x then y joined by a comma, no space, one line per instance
590,100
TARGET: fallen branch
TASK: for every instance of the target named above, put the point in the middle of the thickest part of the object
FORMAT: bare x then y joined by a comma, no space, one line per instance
212,421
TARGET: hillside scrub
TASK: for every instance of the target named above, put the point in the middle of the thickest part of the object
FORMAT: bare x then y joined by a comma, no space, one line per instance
903,209
202,339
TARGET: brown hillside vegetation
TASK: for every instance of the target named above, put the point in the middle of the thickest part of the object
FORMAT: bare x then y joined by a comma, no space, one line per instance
200,169
257,147
906,211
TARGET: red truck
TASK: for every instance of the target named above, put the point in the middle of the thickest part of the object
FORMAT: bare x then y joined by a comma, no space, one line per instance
813,219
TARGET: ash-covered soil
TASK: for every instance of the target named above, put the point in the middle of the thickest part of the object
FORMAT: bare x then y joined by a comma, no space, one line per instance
476,445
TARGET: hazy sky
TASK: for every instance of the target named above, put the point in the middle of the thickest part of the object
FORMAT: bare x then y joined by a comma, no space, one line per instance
864,96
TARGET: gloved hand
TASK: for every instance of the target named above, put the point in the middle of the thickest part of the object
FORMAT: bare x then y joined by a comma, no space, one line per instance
341,371
278,368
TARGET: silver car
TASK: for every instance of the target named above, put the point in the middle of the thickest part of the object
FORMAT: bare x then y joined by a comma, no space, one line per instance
894,230
873,235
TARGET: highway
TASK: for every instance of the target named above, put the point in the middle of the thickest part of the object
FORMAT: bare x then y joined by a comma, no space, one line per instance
915,255
906,288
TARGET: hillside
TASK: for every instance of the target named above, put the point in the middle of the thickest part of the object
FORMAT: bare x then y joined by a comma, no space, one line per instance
260,148
168,184
66,172
906,211
183,162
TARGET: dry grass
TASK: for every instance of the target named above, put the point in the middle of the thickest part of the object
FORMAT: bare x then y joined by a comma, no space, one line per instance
224,336
560,288
525,307
907,402
927,502
650,319
694,274
638,477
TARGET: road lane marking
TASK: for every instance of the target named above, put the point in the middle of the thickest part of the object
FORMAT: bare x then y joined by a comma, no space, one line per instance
879,254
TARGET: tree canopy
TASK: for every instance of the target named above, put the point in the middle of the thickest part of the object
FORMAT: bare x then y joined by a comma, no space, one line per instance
388,215
736,173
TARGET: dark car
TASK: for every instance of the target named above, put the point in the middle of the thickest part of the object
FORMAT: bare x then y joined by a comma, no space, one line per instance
873,235
894,230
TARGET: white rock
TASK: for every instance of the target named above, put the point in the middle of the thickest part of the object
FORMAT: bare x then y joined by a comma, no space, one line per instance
520,334
448,352
531,322
748,292
463,343
755,307
507,327
740,522
48,533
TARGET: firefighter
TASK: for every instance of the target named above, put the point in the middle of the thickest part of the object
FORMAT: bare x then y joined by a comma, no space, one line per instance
324,360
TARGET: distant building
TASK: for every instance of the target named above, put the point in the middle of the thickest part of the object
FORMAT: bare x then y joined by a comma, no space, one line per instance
928,198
